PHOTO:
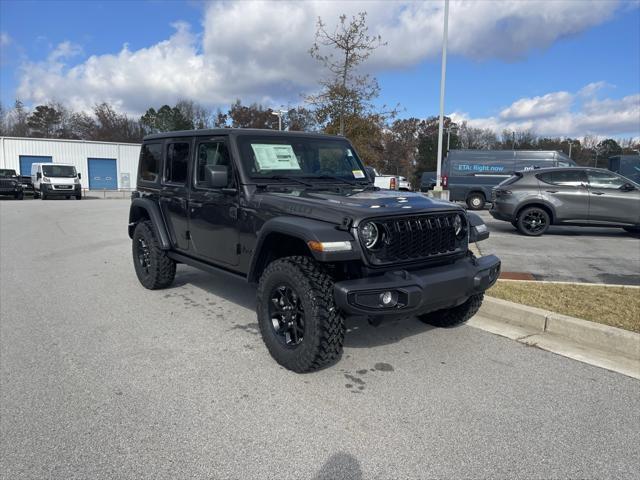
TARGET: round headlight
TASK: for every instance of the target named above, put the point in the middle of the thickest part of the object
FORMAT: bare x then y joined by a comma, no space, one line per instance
458,225
369,232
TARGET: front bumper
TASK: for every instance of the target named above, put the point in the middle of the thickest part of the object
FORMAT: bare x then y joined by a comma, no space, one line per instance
52,189
418,292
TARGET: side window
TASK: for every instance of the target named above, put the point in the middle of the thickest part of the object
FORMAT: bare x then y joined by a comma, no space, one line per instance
211,153
605,180
177,162
150,161
565,178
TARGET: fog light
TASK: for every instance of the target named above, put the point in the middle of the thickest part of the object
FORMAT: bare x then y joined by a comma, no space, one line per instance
389,299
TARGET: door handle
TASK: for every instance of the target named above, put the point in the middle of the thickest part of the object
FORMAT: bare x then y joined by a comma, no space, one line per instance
233,213
552,191
598,193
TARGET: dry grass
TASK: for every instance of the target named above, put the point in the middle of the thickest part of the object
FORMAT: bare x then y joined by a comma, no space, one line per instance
615,306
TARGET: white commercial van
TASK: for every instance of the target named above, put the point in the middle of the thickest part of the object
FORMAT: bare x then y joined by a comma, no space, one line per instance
55,179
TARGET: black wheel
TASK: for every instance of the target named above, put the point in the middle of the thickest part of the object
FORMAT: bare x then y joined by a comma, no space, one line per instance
43,196
19,196
632,230
299,322
154,268
451,317
533,221
68,197
78,197
35,195
476,201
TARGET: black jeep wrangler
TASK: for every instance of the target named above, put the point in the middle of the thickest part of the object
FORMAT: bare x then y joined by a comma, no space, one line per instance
10,184
297,214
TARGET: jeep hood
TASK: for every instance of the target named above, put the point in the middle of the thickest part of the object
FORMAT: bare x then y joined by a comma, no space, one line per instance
333,206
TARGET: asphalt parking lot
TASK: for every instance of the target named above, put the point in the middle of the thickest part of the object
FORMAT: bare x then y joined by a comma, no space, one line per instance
573,254
101,378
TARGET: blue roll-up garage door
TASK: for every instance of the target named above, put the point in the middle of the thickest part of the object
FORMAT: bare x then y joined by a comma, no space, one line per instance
103,174
27,160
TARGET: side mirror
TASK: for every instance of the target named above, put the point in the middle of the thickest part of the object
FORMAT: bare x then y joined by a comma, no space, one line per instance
371,173
79,175
217,176
627,187
38,175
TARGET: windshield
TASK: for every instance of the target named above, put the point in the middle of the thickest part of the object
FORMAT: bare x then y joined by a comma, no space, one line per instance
266,157
64,171
7,173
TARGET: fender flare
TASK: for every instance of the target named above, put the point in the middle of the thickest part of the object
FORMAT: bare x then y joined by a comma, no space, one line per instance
306,230
153,212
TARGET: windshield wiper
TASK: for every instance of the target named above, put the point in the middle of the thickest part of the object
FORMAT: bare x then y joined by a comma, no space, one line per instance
289,179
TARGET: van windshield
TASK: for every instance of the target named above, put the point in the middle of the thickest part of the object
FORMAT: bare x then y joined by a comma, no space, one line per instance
64,171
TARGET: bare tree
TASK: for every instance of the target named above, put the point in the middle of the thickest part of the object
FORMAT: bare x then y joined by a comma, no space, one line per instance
344,92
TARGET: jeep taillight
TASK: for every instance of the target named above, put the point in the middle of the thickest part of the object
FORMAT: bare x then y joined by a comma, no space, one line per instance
394,183
445,181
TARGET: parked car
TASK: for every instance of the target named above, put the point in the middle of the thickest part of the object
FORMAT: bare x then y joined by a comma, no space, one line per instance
296,214
470,175
10,184
403,184
626,165
428,181
534,200
55,180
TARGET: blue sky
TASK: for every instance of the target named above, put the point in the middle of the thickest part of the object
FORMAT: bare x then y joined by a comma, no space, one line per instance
509,65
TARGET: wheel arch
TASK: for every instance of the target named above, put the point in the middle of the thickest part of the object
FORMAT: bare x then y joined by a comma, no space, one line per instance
540,204
143,209
287,236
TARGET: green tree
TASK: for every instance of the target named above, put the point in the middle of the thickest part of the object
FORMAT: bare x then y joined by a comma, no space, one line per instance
165,119
45,121
252,116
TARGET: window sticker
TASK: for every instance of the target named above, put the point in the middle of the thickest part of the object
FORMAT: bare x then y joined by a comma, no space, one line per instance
275,157
358,173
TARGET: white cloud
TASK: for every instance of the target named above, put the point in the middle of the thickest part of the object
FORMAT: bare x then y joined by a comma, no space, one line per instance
258,51
571,115
5,39
64,51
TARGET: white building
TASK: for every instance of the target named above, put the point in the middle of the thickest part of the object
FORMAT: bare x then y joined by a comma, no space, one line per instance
103,165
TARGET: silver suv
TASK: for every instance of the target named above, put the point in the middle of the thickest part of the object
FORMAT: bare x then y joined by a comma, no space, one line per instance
535,199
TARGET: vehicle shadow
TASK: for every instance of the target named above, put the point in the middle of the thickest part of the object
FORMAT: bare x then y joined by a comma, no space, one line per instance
360,334
340,465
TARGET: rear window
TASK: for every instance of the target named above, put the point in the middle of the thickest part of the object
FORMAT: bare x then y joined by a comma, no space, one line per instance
511,180
150,159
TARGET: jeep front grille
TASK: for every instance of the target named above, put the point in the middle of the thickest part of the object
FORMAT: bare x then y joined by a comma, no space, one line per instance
415,238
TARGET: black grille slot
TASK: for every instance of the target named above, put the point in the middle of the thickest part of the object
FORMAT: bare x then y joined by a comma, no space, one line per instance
416,238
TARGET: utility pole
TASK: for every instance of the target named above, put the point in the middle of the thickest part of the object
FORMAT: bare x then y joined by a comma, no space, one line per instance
443,76
449,128
570,145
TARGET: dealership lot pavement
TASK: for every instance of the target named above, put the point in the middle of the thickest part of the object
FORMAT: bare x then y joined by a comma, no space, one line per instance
573,254
101,378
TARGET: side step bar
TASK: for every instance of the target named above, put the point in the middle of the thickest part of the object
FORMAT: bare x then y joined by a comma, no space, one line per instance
178,257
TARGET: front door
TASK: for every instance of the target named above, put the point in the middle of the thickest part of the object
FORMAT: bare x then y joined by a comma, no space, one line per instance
173,193
213,212
610,202
567,191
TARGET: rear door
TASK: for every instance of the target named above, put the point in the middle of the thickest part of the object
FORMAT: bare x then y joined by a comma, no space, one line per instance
173,192
609,202
213,212
567,191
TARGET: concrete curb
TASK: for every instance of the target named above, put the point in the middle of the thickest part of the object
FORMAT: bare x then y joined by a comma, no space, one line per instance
589,342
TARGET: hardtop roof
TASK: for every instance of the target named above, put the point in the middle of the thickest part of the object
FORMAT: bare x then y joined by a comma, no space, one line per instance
238,132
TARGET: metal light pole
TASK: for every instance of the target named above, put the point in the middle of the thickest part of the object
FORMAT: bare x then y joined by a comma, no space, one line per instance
443,75
279,113
570,145
449,128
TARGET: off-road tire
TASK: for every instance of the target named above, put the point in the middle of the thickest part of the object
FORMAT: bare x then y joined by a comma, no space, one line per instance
19,196
476,201
162,269
36,195
324,327
78,197
632,230
43,196
525,214
450,317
